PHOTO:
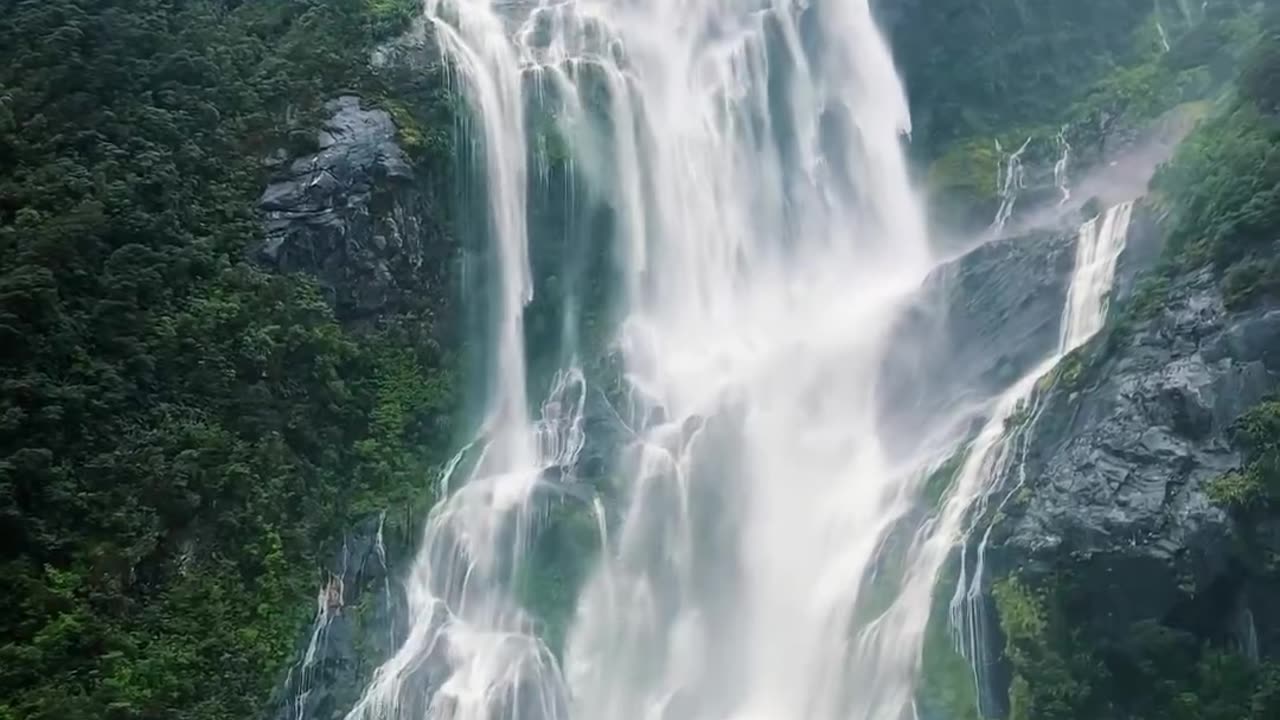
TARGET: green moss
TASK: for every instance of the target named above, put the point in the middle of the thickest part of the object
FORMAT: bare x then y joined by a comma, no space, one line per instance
551,575
968,169
1148,296
940,481
1023,616
1070,370
417,135
1245,281
947,683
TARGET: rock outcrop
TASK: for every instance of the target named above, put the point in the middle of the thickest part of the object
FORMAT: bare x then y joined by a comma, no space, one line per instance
357,215
982,321
359,621
1119,464
361,216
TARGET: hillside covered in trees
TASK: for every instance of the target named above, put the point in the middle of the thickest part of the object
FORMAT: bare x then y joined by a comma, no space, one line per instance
180,431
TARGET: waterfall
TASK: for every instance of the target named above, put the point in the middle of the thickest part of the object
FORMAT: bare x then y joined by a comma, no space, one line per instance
1010,180
767,241
1100,242
996,454
1061,168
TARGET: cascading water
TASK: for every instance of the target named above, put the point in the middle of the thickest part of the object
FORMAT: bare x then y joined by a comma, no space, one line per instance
1061,168
768,240
995,453
1010,180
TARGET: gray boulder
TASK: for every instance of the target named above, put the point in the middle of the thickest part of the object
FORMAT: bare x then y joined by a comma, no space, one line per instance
357,215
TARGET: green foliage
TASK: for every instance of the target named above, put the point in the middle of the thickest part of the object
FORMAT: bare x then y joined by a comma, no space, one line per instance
1257,486
179,431
1070,370
1240,491
391,17
1260,81
1222,189
974,69
1148,295
1246,281
1220,194
1131,82
1066,666
430,139
968,175
1055,677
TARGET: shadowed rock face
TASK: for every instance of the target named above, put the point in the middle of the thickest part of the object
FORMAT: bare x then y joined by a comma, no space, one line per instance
1118,469
356,215
981,322
359,620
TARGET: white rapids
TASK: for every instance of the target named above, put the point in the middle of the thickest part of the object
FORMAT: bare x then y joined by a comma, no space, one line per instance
768,240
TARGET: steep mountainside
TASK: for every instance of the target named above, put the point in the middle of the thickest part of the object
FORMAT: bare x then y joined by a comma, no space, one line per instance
181,430
1132,568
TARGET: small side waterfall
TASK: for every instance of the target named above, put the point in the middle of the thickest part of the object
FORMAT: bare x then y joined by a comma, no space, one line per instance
995,458
1061,168
1010,181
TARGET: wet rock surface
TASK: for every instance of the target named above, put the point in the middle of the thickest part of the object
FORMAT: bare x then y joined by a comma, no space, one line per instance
359,621
358,215
983,321
1119,463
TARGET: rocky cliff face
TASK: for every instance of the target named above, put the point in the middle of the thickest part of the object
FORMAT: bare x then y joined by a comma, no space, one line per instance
357,214
1112,521
360,215
983,320
359,621
1119,463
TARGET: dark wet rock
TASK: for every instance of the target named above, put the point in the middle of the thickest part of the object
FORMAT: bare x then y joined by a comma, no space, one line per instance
357,215
1118,468
1006,302
983,321
359,621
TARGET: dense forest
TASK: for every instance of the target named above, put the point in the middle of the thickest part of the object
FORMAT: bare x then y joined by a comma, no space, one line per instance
182,431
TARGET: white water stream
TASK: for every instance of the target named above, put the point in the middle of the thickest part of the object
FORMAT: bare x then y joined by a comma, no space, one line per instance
995,453
768,241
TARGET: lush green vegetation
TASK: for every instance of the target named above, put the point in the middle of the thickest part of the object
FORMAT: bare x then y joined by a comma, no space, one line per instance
1064,668
1221,192
179,431
1218,199
1256,487
976,68
1081,90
